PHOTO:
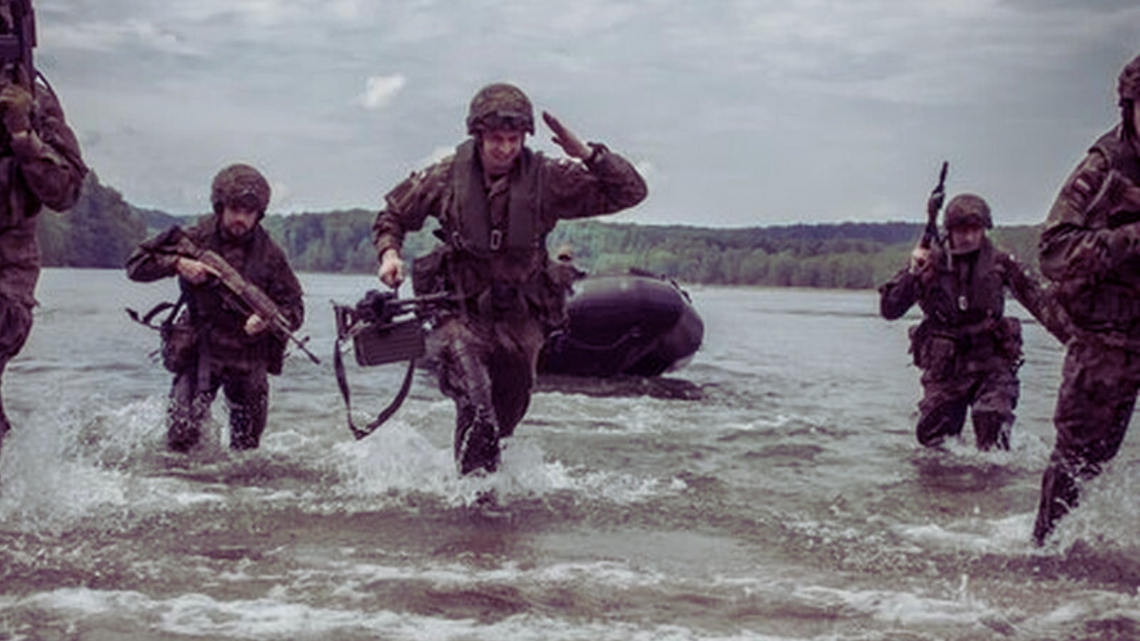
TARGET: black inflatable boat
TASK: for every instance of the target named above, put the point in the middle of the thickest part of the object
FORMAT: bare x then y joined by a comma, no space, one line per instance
634,324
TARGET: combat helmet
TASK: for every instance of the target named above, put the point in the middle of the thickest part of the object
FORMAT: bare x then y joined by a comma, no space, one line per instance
500,106
240,186
1128,90
968,209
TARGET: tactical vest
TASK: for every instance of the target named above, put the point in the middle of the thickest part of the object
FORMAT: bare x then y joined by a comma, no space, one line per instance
495,268
964,328
468,217
953,305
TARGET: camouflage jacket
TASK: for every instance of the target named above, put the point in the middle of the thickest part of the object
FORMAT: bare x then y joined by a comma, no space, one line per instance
541,189
214,312
1083,248
965,296
48,170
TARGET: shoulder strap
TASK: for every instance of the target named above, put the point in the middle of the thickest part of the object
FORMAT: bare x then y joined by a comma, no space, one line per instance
386,413
145,319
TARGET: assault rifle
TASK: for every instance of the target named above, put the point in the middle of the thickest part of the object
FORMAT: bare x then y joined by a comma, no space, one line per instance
933,206
381,331
250,296
16,47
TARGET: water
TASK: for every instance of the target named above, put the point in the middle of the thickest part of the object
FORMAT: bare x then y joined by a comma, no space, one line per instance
773,489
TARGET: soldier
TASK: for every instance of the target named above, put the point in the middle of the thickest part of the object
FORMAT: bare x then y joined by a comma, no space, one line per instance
230,348
968,350
1090,248
40,164
497,201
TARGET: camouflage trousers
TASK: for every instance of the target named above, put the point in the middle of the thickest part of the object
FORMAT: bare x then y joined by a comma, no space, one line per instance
1094,406
488,369
15,325
989,393
246,389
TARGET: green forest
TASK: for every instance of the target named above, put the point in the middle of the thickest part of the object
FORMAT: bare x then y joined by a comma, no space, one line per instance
102,230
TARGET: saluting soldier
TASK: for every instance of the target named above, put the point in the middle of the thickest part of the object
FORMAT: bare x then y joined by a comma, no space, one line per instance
496,201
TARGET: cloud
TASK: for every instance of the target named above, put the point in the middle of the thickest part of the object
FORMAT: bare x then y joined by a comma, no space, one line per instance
108,36
380,90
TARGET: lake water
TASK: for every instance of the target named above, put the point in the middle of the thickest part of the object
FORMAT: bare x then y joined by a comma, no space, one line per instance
773,489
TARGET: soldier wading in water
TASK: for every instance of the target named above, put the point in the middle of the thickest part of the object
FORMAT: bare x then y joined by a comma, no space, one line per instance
1090,249
40,164
496,201
967,349
227,347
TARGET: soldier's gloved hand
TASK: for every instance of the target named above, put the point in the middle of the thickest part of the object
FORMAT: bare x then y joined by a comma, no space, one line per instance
255,324
934,203
391,270
16,107
566,139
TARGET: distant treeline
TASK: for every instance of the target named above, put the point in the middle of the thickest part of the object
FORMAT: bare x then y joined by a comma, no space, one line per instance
103,229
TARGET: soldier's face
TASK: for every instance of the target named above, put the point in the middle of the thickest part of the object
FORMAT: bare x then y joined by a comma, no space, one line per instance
238,221
966,238
500,149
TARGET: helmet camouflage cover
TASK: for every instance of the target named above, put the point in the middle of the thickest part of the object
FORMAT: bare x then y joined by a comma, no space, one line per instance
500,106
968,209
240,186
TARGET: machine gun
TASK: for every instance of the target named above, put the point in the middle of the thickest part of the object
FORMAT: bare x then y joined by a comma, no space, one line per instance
383,329
244,293
16,47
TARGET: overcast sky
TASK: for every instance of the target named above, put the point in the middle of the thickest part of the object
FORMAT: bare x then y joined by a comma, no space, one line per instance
738,112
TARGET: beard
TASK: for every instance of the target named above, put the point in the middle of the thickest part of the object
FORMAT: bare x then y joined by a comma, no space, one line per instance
237,230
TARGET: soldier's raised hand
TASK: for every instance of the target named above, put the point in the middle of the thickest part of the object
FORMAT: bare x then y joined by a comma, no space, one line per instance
565,138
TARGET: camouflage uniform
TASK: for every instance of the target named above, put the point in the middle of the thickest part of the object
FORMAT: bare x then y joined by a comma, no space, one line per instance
1095,263
225,356
495,260
969,352
45,169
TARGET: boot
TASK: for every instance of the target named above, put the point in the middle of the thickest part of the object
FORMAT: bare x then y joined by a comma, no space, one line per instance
991,431
477,441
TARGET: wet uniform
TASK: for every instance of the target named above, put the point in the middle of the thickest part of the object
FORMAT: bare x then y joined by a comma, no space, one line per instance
495,261
969,352
48,170
225,356
1096,268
